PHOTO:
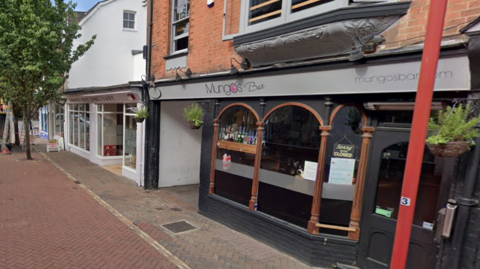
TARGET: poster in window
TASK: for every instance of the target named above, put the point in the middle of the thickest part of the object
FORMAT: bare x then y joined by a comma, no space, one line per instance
341,171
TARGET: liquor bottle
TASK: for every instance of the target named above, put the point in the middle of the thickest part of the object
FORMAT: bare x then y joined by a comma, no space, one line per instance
240,138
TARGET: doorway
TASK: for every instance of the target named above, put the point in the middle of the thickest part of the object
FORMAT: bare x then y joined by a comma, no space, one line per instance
383,191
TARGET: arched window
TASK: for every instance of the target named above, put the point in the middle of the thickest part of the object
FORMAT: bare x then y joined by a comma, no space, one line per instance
344,147
234,164
291,142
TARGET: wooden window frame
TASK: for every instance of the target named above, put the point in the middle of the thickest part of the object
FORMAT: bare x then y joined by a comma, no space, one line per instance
313,225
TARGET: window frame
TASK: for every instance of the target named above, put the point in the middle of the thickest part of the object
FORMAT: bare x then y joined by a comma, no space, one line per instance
128,20
130,114
173,23
101,112
285,17
75,109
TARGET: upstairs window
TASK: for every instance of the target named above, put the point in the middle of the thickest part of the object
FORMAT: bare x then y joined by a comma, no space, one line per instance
129,20
180,25
281,11
262,14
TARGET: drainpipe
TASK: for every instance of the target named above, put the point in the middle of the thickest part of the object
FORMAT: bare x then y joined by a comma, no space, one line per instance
149,43
466,200
152,133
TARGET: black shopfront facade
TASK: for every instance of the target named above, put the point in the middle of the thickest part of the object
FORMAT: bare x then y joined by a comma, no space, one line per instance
310,159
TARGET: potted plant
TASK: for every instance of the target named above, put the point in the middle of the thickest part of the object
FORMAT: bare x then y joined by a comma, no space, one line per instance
452,132
194,116
141,114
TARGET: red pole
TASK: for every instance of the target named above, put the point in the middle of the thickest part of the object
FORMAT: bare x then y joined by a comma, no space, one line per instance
418,135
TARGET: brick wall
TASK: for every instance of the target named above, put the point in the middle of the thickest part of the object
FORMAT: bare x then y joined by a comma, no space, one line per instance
412,27
208,53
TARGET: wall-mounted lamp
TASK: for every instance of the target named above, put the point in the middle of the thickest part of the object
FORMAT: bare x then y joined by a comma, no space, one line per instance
188,73
151,83
245,64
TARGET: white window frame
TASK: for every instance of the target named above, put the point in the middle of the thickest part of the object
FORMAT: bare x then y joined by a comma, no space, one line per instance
172,28
128,20
59,121
125,114
70,123
286,16
101,111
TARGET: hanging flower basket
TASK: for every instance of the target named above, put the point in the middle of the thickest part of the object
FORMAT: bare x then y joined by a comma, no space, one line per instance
193,126
139,120
451,149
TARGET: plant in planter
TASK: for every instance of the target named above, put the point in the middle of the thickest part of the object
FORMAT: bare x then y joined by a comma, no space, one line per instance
354,119
194,116
452,132
141,114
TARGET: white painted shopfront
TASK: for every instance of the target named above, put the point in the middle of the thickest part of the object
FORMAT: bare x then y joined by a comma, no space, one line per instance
100,126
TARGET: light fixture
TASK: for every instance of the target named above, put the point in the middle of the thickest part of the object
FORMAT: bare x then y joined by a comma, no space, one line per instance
188,73
399,106
245,64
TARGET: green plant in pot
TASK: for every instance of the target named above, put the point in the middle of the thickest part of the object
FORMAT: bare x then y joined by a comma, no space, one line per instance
194,115
452,132
141,114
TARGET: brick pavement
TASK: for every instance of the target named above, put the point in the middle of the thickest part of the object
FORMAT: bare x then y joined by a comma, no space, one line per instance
211,245
48,221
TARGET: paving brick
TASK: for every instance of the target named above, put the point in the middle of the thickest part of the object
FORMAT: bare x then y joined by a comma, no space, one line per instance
46,221
211,246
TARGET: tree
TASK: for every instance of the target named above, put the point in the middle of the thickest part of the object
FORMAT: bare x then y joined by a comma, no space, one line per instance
36,53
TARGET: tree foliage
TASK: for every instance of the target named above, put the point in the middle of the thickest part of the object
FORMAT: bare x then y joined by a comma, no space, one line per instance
36,52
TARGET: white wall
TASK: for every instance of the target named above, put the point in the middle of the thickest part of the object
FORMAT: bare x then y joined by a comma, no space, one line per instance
139,65
109,61
179,147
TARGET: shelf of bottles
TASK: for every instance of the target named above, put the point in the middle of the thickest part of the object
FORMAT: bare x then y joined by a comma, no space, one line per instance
237,131
232,138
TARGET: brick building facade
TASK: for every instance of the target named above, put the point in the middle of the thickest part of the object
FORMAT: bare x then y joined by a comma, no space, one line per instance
209,54
318,75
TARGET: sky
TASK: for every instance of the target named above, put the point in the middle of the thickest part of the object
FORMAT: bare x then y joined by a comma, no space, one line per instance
84,5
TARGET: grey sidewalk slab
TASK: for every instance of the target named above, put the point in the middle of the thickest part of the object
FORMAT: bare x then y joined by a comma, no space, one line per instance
209,245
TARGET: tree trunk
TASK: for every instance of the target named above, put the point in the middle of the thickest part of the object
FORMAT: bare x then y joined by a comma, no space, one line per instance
8,130
16,115
16,131
26,125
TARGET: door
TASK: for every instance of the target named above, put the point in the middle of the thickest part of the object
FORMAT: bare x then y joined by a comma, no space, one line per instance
383,191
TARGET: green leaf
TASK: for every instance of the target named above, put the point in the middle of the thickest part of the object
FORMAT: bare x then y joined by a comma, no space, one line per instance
453,125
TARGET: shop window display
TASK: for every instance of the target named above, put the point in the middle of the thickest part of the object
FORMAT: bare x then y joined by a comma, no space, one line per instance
237,137
58,120
291,142
110,123
79,122
130,152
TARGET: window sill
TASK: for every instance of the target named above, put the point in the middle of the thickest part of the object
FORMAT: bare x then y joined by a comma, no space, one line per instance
176,55
335,15
129,169
110,157
129,30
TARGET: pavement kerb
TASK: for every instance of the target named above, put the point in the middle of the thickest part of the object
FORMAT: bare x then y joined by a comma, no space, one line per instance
172,258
